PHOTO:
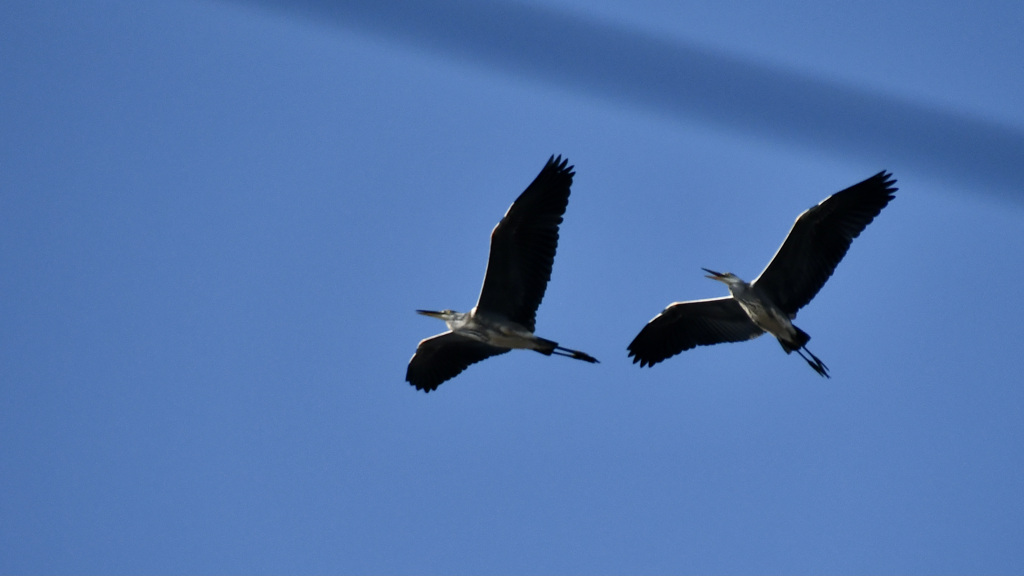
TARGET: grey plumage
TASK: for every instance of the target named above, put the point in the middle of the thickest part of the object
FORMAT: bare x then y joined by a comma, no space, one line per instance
522,253
817,242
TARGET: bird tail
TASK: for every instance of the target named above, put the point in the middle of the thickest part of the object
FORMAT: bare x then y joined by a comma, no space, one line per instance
800,339
549,347
799,345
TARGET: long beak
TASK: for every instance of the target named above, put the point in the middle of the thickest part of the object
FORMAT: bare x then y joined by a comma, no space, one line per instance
713,275
430,313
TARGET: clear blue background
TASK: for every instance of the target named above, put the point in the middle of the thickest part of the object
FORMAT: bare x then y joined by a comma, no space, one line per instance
217,219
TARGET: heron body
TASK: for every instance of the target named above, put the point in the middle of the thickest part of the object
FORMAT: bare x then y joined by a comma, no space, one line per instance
497,332
768,317
761,310
522,253
817,242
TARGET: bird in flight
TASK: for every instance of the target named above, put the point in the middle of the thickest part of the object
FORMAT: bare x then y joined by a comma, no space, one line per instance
522,253
810,253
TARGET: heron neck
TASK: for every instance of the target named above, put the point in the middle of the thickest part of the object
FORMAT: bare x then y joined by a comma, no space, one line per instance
457,320
739,289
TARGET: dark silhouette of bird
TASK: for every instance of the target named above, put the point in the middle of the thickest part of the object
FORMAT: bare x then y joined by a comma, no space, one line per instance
522,253
815,245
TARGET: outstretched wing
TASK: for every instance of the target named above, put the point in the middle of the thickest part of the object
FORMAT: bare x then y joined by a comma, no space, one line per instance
819,239
442,357
685,325
523,246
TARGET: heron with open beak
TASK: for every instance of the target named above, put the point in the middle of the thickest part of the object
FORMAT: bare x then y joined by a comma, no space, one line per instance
815,245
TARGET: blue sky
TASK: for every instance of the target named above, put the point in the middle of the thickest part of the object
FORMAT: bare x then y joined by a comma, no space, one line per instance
218,217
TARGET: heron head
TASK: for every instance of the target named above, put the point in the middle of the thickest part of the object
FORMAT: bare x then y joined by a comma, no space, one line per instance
442,315
725,278
454,320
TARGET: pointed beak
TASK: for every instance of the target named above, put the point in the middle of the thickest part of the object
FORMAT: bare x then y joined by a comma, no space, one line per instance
713,275
430,313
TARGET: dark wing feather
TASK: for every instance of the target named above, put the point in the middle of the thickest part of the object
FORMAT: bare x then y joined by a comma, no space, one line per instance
685,325
819,239
442,357
523,246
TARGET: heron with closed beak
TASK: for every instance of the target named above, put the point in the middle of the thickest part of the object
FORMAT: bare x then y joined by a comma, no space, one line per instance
522,253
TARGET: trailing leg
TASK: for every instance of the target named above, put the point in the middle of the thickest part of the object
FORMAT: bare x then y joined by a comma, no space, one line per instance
813,361
549,347
799,345
560,351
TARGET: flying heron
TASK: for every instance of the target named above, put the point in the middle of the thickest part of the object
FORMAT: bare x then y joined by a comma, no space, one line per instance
523,248
810,253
